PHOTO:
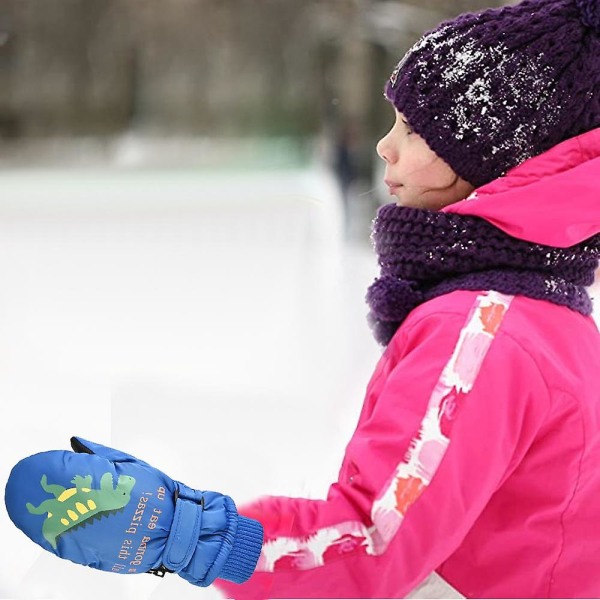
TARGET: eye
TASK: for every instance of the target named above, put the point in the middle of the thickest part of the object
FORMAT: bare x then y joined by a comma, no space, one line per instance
409,129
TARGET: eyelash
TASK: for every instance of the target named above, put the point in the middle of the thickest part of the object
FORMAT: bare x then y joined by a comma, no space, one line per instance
409,129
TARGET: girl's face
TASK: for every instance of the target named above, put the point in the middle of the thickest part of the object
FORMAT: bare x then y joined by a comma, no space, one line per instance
414,174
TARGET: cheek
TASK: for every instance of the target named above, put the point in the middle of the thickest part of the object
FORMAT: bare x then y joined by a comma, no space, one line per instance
414,161
426,170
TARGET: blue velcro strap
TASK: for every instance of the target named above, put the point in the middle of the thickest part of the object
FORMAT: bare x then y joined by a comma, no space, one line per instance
185,531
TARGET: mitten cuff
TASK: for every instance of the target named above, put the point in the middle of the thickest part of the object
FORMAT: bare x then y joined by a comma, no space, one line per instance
245,552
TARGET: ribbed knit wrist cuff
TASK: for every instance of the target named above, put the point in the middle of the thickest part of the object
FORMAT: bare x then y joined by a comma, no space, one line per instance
245,552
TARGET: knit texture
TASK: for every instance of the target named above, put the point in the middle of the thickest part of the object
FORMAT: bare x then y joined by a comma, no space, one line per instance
425,254
590,12
489,90
245,551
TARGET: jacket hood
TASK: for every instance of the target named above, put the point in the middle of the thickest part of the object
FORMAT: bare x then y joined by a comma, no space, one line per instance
551,199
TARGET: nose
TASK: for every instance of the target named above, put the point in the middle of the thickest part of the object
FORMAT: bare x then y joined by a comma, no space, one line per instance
384,148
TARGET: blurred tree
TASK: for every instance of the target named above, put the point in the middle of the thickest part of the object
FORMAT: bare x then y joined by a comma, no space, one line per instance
203,67
69,69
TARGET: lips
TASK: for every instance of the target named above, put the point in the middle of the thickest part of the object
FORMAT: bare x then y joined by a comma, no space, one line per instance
393,186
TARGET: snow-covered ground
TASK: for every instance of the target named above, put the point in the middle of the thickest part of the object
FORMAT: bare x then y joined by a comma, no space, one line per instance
212,324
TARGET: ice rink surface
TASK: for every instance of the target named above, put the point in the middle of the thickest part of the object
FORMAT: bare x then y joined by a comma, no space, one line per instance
210,324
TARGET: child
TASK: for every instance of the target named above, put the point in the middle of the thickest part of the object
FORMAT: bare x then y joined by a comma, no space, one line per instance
477,451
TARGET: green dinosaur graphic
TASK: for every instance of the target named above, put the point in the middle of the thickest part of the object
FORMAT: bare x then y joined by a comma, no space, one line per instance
73,507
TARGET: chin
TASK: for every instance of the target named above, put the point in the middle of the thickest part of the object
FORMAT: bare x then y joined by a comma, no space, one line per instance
408,202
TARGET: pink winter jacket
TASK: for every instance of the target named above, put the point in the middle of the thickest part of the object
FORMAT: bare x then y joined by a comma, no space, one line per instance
477,451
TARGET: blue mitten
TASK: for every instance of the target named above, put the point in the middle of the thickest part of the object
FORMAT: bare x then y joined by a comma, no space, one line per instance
108,510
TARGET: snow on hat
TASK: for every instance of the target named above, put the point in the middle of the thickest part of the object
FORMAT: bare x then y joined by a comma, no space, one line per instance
489,90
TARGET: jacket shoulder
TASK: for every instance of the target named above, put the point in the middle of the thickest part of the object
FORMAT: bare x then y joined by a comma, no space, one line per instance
461,324
562,343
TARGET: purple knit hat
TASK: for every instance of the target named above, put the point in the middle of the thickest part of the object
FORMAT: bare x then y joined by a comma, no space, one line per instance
489,90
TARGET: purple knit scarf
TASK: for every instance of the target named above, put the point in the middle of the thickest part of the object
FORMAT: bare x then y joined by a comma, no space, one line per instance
424,254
